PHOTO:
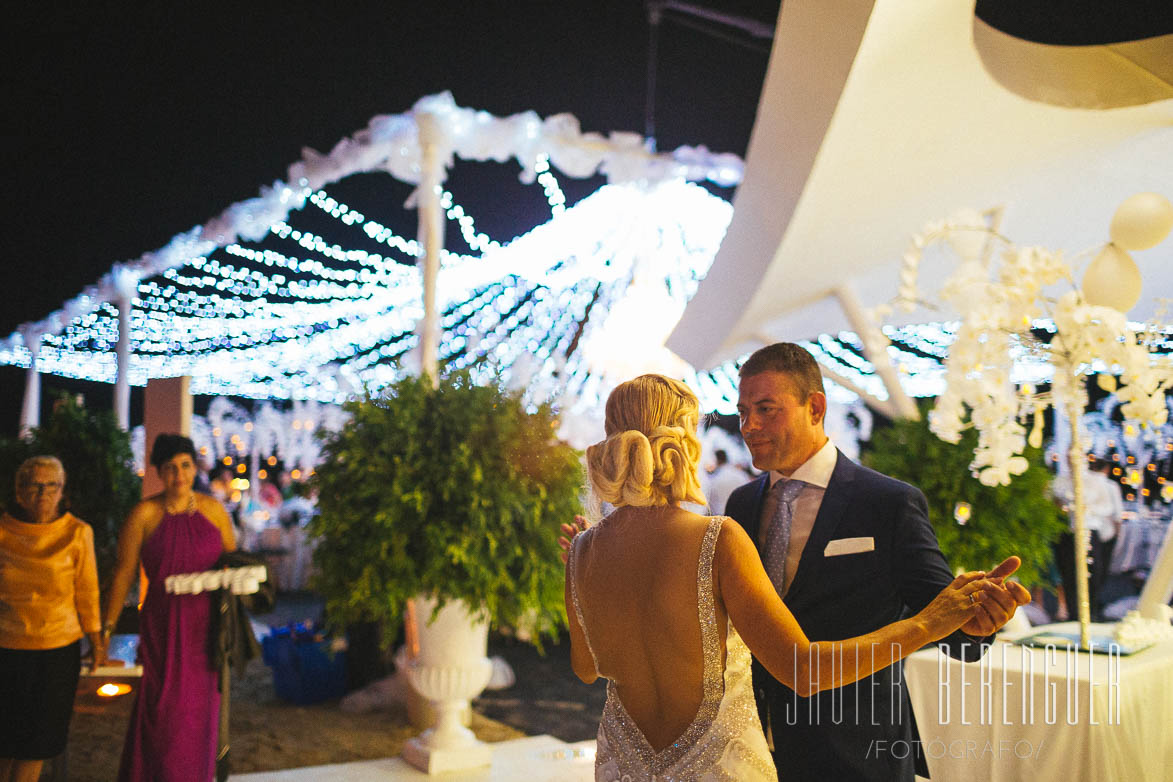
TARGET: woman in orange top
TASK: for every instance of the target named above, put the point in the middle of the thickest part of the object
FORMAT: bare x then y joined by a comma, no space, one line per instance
48,599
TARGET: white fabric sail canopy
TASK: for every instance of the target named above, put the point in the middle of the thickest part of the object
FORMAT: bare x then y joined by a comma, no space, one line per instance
877,117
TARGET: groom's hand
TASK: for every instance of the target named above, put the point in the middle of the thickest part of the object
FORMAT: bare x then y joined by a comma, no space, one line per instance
993,614
569,532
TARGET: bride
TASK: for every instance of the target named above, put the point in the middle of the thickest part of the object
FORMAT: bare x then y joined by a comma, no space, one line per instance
663,604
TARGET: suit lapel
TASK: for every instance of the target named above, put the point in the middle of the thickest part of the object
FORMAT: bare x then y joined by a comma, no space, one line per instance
835,501
753,524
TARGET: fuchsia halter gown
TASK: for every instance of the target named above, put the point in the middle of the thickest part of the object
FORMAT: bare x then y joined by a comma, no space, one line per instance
173,727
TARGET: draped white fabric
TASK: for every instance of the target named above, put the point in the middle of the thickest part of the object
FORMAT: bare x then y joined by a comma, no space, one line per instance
1095,717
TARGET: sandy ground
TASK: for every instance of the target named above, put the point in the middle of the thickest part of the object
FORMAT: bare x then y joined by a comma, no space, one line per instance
269,734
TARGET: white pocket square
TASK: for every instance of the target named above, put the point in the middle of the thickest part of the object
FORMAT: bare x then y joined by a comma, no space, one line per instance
837,548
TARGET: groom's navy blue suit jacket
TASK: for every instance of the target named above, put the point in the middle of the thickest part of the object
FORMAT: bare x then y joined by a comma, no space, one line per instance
866,730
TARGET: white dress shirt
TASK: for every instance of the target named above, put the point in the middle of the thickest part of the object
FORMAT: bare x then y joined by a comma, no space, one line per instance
816,472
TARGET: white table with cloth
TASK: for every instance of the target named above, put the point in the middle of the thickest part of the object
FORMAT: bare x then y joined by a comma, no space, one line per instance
1038,714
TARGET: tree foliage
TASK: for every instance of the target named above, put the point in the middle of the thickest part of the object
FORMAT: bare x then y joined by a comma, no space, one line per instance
456,491
1017,519
101,485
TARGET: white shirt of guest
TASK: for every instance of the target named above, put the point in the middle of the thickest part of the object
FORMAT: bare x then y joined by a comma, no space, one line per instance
1103,505
816,473
722,482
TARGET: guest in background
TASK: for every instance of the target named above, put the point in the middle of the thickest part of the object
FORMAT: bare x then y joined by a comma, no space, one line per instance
723,480
288,486
271,497
1114,519
48,599
1104,511
220,486
173,726
220,483
296,513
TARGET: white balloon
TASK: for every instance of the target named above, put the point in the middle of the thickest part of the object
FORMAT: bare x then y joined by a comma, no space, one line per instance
1142,221
1112,280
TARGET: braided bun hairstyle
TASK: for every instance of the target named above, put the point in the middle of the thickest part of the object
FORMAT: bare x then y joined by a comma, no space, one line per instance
651,453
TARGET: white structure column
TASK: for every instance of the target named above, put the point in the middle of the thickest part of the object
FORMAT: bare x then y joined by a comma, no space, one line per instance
875,349
30,411
431,236
167,408
122,351
125,286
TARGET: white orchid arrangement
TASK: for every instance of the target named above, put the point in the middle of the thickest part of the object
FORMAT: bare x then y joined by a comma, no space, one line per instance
1003,295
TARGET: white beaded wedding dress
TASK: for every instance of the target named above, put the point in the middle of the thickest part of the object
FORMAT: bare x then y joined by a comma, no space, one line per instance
724,740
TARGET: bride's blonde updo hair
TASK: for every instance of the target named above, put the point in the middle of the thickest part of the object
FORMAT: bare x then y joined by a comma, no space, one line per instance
651,453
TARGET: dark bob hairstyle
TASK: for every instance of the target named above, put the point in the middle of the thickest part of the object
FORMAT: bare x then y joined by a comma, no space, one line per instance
168,446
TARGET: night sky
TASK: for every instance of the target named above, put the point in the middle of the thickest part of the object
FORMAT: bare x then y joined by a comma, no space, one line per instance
129,127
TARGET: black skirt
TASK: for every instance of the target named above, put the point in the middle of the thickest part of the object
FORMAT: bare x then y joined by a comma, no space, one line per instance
36,692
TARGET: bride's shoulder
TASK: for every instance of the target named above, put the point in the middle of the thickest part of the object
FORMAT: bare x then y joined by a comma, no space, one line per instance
688,513
733,540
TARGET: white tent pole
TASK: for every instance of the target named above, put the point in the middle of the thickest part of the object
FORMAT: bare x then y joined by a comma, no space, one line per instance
431,236
880,406
122,350
30,411
874,350
254,467
1158,589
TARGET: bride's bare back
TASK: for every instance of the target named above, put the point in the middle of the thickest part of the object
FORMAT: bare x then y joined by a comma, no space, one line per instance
636,575
636,579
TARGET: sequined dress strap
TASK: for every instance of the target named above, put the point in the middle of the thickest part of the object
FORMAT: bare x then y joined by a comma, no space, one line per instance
714,680
571,563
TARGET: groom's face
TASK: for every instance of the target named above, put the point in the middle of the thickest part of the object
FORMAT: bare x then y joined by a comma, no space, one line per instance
780,430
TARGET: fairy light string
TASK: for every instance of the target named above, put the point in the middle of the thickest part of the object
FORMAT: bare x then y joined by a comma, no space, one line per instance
307,314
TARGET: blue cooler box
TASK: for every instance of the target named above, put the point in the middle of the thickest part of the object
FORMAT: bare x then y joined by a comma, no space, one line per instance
304,669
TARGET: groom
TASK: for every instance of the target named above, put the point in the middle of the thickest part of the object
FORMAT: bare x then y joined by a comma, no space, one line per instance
850,550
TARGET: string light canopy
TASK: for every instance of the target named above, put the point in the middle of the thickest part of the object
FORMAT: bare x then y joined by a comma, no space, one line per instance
327,322
261,302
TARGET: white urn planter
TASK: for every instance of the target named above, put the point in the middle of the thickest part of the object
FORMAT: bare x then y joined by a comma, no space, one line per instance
450,669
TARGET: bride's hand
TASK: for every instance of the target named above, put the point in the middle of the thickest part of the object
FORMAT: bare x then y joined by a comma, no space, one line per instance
957,603
569,532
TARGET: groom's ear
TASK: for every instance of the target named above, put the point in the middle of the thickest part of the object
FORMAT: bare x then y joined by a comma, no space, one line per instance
816,403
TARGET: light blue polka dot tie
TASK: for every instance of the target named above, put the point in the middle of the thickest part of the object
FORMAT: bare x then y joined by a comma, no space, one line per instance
778,535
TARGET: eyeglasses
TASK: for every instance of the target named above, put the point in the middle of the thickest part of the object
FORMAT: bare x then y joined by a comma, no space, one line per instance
44,488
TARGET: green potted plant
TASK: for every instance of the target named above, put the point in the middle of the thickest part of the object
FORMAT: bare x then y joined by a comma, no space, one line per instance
977,525
450,498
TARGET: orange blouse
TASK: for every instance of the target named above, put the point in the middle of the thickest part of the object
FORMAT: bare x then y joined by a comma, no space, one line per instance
48,583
